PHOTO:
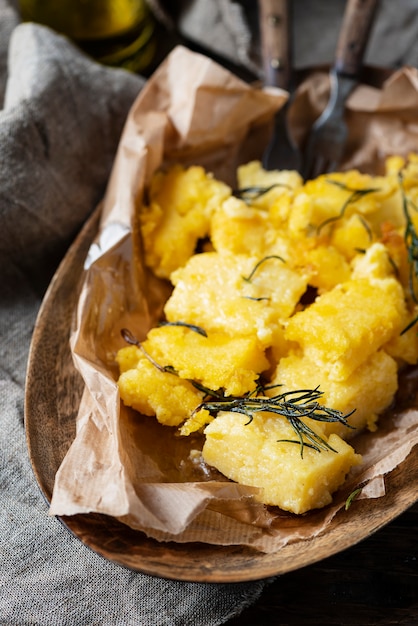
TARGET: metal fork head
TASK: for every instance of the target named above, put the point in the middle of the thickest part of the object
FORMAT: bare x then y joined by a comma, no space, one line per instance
282,153
327,140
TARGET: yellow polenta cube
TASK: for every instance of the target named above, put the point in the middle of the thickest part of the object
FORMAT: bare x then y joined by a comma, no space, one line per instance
127,358
271,192
253,176
368,391
410,189
326,266
394,242
235,294
352,235
338,195
252,454
217,361
196,422
377,199
410,171
238,228
181,202
346,325
299,224
152,392
403,347
390,210
394,164
375,263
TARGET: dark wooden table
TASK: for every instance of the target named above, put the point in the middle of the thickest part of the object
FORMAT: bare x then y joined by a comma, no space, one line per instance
374,582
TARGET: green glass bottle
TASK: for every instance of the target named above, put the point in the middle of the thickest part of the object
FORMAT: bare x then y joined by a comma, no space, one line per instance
119,33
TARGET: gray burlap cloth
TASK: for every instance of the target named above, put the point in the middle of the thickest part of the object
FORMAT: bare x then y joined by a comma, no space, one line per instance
60,123
59,129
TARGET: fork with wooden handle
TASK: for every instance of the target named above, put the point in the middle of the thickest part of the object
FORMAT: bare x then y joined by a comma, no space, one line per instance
327,139
275,32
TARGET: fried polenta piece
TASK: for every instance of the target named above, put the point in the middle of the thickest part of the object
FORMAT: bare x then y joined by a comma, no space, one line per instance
337,196
239,228
146,389
368,391
235,294
177,215
326,266
266,186
403,347
346,325
216,361
255,454
351,235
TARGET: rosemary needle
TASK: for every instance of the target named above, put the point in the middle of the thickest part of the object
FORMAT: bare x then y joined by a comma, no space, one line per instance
353,495
251,193
411,242
257,265
196,329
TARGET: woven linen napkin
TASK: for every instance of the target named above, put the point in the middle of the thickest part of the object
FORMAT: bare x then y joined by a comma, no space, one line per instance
59,129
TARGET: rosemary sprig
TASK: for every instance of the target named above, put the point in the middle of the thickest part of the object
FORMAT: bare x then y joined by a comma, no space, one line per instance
411,243
196,329
345,187
394,266
411,239
252,193
293,405
355,194
133,341
409,326
259,299
257,265
366,227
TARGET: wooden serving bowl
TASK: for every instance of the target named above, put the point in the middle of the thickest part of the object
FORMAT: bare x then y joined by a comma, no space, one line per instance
53,394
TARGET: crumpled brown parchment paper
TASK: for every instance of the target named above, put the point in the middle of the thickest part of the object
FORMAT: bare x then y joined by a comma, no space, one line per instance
195,112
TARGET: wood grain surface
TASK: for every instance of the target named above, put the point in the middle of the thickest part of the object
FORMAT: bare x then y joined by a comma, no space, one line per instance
374,582
53,392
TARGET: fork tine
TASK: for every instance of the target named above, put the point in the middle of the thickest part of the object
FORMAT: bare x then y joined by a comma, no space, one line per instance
319,157
315,160
281,152
327,140
320,165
